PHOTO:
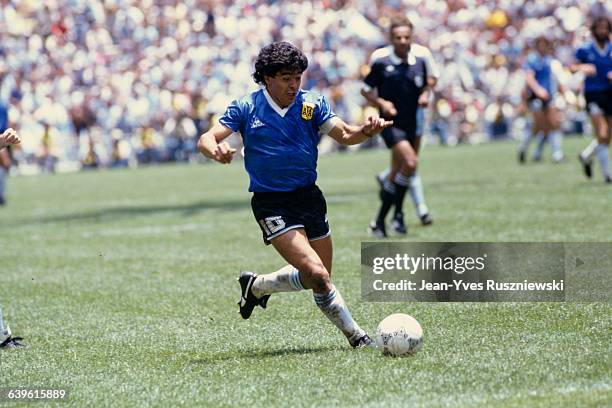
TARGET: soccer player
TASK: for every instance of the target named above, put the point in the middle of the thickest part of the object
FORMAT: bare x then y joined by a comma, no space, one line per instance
7,138
280,126
396,85
595,61
541,73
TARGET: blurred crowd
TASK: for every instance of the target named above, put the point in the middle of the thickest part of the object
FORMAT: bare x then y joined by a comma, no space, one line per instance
119,82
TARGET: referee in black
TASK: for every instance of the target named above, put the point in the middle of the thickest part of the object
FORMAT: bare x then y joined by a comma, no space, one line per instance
394,85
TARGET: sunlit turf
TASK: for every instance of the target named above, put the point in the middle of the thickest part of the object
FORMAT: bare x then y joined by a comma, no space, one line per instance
123,285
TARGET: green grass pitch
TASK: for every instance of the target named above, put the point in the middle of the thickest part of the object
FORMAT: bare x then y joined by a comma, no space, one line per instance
123,285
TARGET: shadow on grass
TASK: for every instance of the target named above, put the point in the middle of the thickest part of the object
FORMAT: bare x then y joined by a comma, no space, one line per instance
114,213
265,354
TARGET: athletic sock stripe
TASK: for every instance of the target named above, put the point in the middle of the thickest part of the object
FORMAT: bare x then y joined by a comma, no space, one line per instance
402,180
295,281
325,300
389,187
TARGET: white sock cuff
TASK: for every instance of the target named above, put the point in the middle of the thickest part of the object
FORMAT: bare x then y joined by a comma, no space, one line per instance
294,280
324,300
389,187
5,334
402,180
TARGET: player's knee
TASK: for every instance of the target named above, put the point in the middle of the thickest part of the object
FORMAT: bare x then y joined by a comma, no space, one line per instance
410,165
321,282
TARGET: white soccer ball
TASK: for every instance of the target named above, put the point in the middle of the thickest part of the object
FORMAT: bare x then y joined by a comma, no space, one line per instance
399,334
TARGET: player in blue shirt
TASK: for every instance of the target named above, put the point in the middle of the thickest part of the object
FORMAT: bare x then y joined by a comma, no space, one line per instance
541,73
7,137
395,84
280,127
7,341
594,59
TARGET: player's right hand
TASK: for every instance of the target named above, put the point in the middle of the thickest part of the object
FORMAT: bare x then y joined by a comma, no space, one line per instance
388,109
542,94
224,153
9,137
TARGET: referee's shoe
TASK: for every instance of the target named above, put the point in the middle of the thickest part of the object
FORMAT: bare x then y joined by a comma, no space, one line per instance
248,300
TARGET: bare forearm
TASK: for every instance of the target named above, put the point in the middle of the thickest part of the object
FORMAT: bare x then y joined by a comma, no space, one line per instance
586,69
353,135
207,145
373,99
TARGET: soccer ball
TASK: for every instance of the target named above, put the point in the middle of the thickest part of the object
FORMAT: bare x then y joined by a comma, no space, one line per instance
399,334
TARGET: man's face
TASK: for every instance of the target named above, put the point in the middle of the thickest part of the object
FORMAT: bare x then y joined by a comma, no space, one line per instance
284,87
400,39
542,46
602,31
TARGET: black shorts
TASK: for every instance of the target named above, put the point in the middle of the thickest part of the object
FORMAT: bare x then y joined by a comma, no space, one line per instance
393,135
599,102
536,104
279,212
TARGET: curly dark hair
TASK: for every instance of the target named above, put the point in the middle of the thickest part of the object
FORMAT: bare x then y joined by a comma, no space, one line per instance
276,57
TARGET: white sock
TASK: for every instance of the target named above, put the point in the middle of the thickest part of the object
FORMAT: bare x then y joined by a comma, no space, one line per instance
333,306
556,139
3,177
602,156
540,140
526,141
5,331
587,153
384,174
417,195
286,279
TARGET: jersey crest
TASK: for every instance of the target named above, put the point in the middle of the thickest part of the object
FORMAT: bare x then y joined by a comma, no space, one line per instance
307,110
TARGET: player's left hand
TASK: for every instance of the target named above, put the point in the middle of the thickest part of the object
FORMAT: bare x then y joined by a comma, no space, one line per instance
423,99
375,124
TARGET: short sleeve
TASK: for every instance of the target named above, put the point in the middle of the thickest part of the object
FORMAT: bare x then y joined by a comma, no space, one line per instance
324,112
581,55
233,116
374,78
528,64
430,64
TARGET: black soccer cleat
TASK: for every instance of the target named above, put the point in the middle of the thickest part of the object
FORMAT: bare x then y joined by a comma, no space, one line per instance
608,180
377,230
398,224
521,157
248,300
12,342
587,166
362,342
426,219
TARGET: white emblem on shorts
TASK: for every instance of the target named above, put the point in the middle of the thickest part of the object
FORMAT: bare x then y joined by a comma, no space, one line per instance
418,81
272,224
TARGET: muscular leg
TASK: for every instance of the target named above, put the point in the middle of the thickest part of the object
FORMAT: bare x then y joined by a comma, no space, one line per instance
602,129
312,260
553,120
540,133
408,164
